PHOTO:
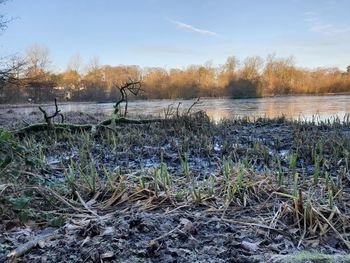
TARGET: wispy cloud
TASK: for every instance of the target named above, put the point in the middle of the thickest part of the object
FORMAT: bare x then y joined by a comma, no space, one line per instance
191,28
310,13
329,29
318,25
167,50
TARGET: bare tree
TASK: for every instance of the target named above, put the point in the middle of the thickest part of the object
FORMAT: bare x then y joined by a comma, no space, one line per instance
10,69
75,64
279,74
251,68
38,60
38,73
94,64
11,79
227,72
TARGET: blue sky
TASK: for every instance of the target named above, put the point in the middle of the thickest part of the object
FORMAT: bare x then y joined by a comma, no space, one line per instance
177,33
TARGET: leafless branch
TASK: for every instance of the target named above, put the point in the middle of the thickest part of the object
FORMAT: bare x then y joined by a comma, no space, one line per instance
10,69
48,118
193,104
177,109
168,112
134,87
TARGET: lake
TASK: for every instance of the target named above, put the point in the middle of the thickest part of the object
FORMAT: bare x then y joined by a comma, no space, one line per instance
293,107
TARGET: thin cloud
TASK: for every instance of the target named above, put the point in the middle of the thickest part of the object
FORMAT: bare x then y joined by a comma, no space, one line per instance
329,29
310,13
191,28
317,25
167,50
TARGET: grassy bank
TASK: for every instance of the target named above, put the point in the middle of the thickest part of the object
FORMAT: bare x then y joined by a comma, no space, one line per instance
183,190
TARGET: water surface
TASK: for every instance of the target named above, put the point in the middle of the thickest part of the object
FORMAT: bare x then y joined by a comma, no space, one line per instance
293,107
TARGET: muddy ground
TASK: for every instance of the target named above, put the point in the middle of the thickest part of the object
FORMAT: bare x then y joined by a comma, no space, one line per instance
192,218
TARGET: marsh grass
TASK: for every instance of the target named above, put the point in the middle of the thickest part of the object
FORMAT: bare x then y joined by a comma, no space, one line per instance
145,167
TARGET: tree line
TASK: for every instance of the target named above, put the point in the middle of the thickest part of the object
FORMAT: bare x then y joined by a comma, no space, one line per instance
30,79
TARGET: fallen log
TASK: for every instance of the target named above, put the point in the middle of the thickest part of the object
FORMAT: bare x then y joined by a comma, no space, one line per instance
130,121
59,126
81,127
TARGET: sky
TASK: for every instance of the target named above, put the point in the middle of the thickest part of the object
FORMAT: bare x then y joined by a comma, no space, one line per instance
178,33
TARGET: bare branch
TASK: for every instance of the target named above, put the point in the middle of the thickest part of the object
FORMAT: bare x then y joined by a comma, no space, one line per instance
134,87
193,104
48,119
177,109
10,71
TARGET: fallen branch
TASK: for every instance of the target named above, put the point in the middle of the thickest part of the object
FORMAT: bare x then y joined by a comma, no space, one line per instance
26,247
81,127
129,121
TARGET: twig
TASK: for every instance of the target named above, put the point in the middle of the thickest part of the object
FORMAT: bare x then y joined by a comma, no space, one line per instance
85,205
193,104
168,111
166,234
23,249
246,224
334,229
3,187
57,196
177,109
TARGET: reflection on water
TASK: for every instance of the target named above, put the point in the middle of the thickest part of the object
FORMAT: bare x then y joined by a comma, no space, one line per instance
304,107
